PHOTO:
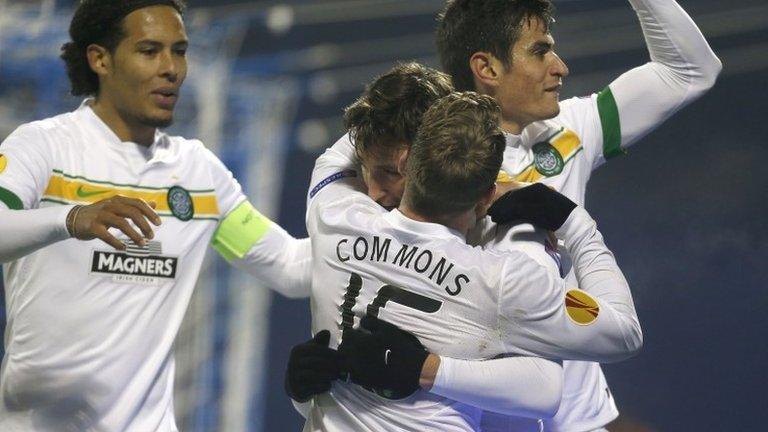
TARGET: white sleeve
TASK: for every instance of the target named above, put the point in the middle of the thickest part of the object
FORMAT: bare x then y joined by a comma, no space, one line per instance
682,68
253,243
541,316
281,262
334,176
25,231
229,193
503,385
25,168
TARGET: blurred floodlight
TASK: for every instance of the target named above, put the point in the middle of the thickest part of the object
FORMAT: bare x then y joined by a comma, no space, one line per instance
313,135
280,19
323,89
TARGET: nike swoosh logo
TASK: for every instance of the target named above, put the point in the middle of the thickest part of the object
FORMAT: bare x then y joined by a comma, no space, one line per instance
386,356
85,194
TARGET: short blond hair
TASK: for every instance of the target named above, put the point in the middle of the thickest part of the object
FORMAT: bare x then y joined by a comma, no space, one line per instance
456,155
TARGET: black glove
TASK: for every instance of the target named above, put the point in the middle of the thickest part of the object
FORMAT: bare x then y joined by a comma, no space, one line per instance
536,204
312,367
387,360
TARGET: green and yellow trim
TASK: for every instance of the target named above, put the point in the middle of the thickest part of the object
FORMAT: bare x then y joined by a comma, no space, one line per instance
567,144
609,120
68,189
239,231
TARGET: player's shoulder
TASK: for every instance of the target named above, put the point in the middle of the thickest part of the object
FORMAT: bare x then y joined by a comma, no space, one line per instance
575,112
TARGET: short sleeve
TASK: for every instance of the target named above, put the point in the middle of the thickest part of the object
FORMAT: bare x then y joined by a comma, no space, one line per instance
25,167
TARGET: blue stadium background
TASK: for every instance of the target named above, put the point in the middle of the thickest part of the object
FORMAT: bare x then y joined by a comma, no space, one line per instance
684,211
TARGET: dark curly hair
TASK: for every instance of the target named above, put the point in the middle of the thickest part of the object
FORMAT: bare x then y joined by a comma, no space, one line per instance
99,22
469,26
390,109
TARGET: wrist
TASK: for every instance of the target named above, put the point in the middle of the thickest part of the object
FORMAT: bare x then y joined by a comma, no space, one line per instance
71,220
429,371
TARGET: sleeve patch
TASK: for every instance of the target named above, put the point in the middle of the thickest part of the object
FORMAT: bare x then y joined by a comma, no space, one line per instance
239,231
609,120
330,179
581,307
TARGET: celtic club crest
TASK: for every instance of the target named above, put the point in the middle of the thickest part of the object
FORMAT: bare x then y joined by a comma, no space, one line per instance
180,203
547,159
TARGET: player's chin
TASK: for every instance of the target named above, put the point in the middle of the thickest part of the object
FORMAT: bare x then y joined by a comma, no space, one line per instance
550,110
161,119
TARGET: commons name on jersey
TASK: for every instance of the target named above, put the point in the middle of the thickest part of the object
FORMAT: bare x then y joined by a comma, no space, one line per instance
426,263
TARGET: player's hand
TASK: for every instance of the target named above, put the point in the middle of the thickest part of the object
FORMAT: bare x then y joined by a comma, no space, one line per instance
312,368
93,221
386,359
536,204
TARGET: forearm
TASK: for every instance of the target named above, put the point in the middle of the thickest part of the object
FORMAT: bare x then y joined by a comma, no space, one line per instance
599,275
281,262
682,68
520,386
253,243
25,231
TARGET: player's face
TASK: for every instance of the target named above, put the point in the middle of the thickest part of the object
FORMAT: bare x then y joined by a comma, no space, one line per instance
384,181
529,89
148,67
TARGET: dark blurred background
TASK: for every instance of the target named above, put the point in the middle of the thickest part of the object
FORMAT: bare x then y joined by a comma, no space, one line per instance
684,211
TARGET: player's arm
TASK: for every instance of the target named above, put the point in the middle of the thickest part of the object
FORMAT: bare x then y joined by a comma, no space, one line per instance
25,168
682,68
334,176
251,242
595,321
521,386
382,356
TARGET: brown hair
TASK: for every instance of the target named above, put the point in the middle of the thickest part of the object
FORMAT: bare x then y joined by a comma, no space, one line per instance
388,113
469,26
456,155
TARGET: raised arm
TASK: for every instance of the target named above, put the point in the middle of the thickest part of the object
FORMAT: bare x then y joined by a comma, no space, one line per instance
682,68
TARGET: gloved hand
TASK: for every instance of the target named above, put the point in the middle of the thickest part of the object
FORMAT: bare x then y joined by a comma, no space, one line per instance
387,360
312,367
536,204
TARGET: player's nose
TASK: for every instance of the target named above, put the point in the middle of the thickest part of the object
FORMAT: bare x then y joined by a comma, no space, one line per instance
560,68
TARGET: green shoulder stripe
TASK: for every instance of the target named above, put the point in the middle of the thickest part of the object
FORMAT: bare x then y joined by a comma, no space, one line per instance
609,119
10,199
239,231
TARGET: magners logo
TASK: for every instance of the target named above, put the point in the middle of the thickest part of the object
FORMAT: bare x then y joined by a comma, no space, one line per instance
136,264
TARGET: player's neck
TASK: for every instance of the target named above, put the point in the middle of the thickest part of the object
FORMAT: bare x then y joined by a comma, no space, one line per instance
125,131
512,126
461,222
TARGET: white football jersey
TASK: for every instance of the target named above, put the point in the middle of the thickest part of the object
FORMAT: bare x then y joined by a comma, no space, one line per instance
460,301
561,153
89,340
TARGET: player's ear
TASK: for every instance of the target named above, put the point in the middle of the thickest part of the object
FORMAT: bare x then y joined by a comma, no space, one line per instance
486,69
99,59
485,202
401,162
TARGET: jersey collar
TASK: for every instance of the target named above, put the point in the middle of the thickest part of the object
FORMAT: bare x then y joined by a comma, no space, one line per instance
429,229
157,152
